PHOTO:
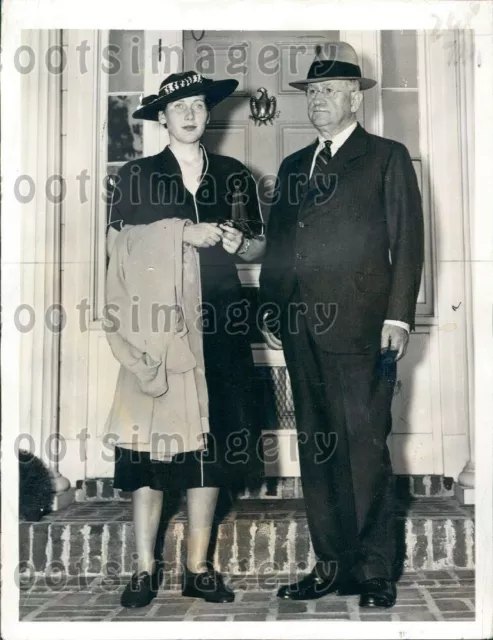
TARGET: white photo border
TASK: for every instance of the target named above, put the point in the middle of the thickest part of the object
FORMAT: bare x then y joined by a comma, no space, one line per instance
223,14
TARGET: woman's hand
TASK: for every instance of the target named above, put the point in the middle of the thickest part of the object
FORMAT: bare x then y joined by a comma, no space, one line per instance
232,238
202,235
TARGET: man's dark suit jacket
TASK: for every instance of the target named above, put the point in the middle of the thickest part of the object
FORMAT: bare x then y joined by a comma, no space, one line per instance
355,247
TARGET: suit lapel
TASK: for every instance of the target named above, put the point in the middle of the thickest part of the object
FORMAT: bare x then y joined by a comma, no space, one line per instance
341,164
354,147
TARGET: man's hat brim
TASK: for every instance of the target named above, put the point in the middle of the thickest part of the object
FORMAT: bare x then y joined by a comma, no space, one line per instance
338,62
214,93
365,83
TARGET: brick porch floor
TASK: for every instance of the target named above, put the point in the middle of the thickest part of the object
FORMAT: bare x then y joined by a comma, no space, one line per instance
422,596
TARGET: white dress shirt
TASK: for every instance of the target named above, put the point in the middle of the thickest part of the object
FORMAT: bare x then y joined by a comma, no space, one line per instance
337,141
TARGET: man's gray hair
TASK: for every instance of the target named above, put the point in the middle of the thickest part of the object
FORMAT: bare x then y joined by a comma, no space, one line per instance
354,85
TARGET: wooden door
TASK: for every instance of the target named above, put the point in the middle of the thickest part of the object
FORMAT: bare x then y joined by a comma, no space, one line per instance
269,61
394,109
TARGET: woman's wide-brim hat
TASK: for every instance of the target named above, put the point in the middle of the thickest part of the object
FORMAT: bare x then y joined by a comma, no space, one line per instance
182,85
335,61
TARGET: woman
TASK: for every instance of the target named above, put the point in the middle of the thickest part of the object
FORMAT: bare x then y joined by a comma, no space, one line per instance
186,182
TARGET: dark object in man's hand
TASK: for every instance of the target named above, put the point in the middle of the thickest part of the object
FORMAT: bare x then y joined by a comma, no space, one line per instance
249,228
387,364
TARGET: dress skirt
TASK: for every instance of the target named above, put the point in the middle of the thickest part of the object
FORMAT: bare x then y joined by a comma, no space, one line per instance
233,445
136,469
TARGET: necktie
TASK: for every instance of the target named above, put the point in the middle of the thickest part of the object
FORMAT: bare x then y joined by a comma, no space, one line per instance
321,167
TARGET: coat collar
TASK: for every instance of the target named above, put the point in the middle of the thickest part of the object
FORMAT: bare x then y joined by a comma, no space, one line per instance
354,147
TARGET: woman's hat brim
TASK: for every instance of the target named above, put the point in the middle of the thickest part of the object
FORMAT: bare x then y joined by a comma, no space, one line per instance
214,93
365,83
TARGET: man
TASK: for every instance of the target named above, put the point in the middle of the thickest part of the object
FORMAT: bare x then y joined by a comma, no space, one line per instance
341,278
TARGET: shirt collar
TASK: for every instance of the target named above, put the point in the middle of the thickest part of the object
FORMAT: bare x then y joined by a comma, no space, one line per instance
339,139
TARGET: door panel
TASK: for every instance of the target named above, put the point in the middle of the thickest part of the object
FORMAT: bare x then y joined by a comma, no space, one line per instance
228,140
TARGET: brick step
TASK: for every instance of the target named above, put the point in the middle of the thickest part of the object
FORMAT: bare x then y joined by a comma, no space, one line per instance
256,536
424,486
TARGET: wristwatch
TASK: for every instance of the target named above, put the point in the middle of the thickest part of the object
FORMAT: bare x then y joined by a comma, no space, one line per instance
244,246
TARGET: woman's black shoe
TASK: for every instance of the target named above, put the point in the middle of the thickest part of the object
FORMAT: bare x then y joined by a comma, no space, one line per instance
208,585
141,589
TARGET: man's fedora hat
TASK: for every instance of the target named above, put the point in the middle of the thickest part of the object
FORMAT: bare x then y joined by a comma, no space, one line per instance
182,85
334,61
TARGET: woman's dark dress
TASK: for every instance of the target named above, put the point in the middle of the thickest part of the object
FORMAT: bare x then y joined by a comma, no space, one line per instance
151,189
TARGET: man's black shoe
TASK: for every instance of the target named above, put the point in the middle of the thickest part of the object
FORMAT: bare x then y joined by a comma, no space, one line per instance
312,587
377,592
141,590
349,588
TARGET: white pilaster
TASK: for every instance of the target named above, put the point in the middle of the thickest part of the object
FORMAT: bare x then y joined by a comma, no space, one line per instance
40,253
464,489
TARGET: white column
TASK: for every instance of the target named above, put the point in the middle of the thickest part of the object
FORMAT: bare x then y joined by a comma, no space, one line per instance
464,489
40,269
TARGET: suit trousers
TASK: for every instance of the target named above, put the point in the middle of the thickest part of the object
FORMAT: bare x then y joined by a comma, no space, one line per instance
342,407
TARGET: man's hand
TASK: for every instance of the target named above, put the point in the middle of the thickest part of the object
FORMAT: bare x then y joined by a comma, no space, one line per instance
202,235
395,338
232,238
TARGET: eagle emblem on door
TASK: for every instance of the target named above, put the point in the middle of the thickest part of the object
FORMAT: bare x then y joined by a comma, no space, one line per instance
263,108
